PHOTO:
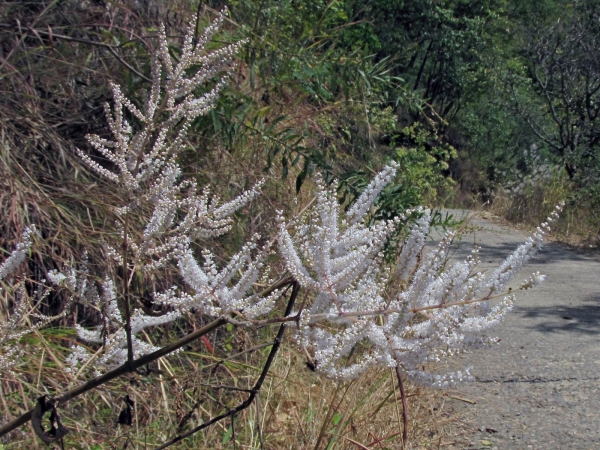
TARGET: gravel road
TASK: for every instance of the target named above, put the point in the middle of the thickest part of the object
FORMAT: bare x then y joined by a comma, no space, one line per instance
539,388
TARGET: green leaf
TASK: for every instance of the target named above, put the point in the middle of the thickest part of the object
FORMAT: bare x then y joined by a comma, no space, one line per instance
263,112
337,417
215,120
301,177
284,168
227,435
310,414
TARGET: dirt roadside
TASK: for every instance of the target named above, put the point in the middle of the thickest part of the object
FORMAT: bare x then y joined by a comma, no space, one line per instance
539,388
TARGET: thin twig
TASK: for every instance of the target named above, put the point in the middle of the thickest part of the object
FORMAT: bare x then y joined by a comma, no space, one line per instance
115,373
462,399
377,312
381,439
257,386
404,407
126,299
110,48
358,444
126,64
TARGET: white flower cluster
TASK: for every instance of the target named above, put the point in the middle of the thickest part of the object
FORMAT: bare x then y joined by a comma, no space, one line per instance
137,157
212,291
111,334
18,255
144,166
19,323
142,163
341,261
428,309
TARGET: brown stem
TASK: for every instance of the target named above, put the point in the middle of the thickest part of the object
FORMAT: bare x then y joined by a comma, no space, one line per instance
376,312
111,48
255,389
115,373
126,302
404,407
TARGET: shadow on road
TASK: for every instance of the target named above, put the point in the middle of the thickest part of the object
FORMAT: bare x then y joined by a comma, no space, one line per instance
584,318
550,253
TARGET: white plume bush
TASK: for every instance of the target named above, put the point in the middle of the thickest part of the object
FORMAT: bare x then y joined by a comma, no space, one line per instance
359,311
436,310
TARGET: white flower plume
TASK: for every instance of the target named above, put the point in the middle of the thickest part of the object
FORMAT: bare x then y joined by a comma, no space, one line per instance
137,157
111,335
220,292
440,308
142,160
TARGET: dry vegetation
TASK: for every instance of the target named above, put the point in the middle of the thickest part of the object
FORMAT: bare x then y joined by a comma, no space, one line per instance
56,61
579,223
296,408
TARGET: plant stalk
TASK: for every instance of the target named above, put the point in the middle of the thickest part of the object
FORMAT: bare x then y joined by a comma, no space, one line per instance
257,386
404,407
115,373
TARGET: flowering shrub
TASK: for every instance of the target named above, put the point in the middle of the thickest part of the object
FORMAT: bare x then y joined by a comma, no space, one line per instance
418,311
422,310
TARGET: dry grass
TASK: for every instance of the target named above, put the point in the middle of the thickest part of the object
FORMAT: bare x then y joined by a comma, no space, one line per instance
306,410
579,223
296,409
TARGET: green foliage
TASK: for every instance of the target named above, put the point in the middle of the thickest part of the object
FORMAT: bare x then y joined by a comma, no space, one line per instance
312,96
425,159
438,47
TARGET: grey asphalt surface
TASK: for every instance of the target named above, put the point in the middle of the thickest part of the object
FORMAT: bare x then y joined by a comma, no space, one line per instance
539,388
